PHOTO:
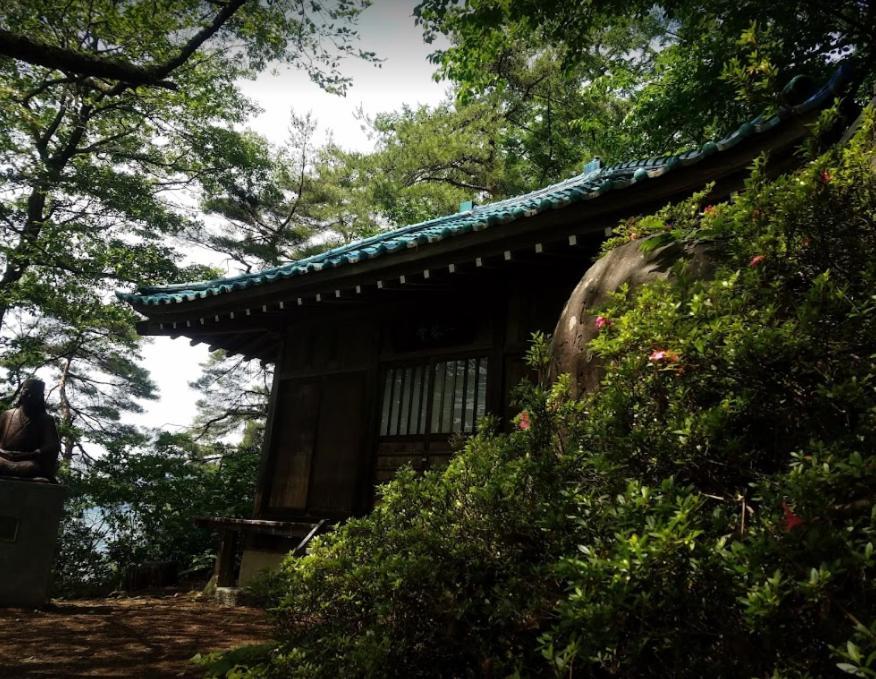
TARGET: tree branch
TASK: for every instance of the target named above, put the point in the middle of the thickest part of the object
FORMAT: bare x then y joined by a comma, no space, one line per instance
70,61
73,61
161,71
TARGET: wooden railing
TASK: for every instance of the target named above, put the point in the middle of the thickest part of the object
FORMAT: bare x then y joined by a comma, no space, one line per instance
231,529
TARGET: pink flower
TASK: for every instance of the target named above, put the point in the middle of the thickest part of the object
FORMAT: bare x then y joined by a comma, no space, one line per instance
709,209
756,261
664,356
602,322
792,521
825,177
523,422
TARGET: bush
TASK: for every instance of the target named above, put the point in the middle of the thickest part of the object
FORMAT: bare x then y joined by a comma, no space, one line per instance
133,506
709,510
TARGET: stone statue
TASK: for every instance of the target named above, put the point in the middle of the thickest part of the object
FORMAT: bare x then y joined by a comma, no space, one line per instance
29,444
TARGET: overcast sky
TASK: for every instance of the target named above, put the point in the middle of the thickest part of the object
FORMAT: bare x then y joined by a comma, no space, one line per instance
405,77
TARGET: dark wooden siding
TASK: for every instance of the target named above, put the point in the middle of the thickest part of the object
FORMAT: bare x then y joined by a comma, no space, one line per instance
326,425
337,469
295,428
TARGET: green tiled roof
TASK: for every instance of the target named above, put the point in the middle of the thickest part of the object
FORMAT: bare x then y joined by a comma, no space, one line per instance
588,185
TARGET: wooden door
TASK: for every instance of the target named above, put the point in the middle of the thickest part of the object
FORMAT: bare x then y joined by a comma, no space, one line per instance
294,437
318,445
339,461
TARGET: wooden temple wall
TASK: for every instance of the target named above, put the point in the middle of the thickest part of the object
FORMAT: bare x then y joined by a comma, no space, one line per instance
357,395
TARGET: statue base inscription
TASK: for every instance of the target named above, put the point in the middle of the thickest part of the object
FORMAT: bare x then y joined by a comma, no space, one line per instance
30,512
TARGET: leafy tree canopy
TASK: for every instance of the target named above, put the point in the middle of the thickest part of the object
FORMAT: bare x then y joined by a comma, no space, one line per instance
101,175
137,502
682,65
135,43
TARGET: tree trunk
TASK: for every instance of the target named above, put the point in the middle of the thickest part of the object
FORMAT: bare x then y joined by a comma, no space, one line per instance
19,259
67,441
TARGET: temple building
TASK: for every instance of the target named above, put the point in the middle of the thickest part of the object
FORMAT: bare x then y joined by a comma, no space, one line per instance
386,348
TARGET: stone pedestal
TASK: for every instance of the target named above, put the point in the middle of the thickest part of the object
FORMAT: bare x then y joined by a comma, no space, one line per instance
30,512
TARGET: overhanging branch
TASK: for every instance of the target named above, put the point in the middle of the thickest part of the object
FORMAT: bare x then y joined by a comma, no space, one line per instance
71,61
82,63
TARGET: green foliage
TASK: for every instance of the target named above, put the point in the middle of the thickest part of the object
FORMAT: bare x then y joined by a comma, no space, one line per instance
137,503
100,175
644,77
234,399
709,511
444,565
284,203
314,36
673,223
97,380
233,664
431,159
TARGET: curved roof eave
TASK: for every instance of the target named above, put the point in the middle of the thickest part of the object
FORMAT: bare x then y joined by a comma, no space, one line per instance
586,186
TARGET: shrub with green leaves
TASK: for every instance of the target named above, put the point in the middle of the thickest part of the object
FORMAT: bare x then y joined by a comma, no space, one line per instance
708,511
138,502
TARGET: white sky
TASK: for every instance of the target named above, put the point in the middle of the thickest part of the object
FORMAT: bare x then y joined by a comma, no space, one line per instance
405,77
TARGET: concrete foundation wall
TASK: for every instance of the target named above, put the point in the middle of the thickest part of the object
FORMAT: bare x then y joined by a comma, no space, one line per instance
255,562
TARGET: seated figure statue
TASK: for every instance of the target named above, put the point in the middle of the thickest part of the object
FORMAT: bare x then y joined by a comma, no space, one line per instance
29,444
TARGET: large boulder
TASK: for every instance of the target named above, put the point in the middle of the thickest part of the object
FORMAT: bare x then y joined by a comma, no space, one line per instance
626,264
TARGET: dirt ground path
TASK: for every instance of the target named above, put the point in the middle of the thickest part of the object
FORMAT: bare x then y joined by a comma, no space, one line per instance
149,636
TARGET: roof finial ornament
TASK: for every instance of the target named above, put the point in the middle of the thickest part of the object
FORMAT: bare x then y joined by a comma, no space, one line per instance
594,165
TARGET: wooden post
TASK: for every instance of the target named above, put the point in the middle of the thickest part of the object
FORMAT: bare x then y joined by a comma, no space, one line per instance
225,559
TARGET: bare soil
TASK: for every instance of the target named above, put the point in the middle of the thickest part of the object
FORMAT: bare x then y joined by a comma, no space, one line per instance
143,636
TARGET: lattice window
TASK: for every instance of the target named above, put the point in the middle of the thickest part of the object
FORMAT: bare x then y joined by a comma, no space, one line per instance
404,401
454,392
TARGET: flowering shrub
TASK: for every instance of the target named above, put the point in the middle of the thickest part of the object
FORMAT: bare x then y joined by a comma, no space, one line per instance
709,511
522,420
664,356
792,521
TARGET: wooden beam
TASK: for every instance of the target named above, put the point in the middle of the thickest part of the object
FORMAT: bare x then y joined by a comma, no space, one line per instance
225,559
234,345
295,529
253,347
209,326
